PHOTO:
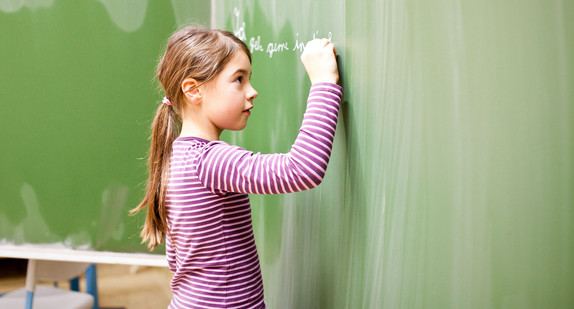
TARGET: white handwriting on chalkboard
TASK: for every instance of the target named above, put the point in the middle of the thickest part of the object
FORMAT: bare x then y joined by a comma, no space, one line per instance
255,45
239,29
273,48
299,45
276,47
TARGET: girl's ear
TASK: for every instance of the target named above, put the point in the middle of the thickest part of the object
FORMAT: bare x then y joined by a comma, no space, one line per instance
190,88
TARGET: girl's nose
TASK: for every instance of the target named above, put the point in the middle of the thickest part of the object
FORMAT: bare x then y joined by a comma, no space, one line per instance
251,94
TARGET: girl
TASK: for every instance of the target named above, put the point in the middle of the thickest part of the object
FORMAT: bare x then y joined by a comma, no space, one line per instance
197,188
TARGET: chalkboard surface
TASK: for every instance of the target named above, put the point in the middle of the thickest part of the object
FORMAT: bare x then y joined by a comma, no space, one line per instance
77,96
451,181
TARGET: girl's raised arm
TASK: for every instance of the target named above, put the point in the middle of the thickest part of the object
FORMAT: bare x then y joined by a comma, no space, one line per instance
223,168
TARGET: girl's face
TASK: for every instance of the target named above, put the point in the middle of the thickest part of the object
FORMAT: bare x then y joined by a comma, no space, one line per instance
228,98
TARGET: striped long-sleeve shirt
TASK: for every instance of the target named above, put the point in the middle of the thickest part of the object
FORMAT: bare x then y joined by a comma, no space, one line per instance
210,245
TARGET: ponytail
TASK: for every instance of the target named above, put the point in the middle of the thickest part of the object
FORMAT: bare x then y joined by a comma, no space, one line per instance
165,129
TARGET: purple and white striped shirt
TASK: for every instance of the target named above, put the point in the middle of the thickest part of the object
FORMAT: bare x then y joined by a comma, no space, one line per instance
210,246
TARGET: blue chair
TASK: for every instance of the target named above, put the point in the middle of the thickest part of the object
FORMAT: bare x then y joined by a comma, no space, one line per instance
47,297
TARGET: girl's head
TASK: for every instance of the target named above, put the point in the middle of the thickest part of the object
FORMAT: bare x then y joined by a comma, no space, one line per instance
192,53
197,53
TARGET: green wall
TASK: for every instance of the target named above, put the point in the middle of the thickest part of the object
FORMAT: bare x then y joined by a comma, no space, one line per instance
77,96
451,180
452,171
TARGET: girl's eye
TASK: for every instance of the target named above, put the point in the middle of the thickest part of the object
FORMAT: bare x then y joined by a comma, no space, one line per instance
240,79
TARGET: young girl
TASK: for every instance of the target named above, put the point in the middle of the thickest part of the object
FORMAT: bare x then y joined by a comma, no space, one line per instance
197,188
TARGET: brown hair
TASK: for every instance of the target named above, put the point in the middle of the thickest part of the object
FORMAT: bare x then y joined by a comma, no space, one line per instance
191,52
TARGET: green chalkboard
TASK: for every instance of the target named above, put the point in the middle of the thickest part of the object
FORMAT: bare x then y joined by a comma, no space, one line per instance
451,180
77,96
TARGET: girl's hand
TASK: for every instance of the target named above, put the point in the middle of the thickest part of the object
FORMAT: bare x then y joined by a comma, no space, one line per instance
319,61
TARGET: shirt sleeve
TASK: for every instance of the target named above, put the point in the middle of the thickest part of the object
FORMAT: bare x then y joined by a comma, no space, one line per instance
223,168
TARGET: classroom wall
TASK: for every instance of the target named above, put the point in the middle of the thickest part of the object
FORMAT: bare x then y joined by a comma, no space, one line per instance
451,180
